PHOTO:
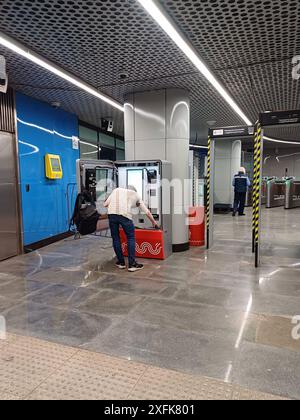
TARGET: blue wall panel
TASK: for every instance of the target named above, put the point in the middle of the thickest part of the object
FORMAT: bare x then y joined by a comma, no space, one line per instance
41,130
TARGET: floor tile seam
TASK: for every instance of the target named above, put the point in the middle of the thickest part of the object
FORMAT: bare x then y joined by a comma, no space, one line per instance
115,322
129,316
62,308
108,289
204,305
55,371
146,368
176,328
31,294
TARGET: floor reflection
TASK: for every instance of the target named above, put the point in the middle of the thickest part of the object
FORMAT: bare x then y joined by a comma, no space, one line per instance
207,313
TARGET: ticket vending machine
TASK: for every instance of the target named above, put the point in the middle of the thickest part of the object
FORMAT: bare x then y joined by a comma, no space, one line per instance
152,180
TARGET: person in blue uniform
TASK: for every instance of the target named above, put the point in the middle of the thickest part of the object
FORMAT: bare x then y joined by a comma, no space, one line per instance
240,183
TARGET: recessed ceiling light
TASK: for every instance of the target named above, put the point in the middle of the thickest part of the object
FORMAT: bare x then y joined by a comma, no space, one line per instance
123,75
159,15
20,49
56,104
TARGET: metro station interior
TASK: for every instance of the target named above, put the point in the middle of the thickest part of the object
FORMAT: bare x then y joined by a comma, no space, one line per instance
175,99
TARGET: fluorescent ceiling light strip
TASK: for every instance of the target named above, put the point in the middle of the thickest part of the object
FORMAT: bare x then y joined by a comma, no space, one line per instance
20,49
159,16
280,141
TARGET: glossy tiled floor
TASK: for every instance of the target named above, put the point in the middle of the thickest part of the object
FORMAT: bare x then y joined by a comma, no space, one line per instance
209,314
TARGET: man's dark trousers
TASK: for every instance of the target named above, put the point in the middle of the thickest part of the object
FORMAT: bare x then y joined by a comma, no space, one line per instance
239,202
115,222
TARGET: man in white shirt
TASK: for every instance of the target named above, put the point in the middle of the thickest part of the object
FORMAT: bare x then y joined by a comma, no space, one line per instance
121,204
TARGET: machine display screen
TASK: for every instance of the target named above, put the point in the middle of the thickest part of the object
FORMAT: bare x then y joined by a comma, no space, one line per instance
104,183
55,165
135,177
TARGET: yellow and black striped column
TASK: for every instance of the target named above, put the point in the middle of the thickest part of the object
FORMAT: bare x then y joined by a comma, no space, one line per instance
208,215
259,140
254,195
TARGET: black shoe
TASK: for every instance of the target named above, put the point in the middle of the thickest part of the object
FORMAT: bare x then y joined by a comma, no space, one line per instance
233,214
121,266
135,267
242,215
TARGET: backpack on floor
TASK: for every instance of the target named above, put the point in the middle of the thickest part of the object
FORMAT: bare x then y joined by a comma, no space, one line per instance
220,208
85,216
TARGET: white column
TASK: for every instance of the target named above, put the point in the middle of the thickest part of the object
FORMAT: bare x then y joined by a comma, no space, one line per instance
157,126
228,155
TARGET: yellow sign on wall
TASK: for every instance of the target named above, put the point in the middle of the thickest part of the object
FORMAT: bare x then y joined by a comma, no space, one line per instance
53,167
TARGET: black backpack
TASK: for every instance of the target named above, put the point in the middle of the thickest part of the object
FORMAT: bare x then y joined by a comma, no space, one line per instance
85,216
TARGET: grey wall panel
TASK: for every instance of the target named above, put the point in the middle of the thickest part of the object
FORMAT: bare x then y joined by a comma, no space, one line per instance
8,210
7,120
8,222
9,226
7,159
7,245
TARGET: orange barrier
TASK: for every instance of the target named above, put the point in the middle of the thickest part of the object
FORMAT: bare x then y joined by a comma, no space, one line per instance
197,226
149,244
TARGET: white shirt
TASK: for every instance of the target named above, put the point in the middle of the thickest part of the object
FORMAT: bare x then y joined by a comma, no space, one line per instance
125,203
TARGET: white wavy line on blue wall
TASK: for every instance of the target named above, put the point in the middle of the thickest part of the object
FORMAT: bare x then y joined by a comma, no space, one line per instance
46,130
35,149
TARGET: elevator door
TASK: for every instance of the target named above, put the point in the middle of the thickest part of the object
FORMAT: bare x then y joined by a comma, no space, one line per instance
9,235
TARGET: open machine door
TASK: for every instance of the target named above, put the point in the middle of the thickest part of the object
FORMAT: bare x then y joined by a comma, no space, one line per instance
101,177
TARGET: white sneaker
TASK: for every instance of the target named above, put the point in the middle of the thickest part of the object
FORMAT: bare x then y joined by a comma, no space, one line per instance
121,266
135,267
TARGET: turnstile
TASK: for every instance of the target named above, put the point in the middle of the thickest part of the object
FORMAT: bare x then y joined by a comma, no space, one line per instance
276,191
264,192
292,198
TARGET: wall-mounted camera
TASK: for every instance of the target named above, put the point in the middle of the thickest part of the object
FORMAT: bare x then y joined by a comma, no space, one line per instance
3,75
56,104
107,124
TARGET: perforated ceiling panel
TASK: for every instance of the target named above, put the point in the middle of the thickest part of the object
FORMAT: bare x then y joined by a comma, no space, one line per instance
233,33
39,83
97,40
249,44
289,133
